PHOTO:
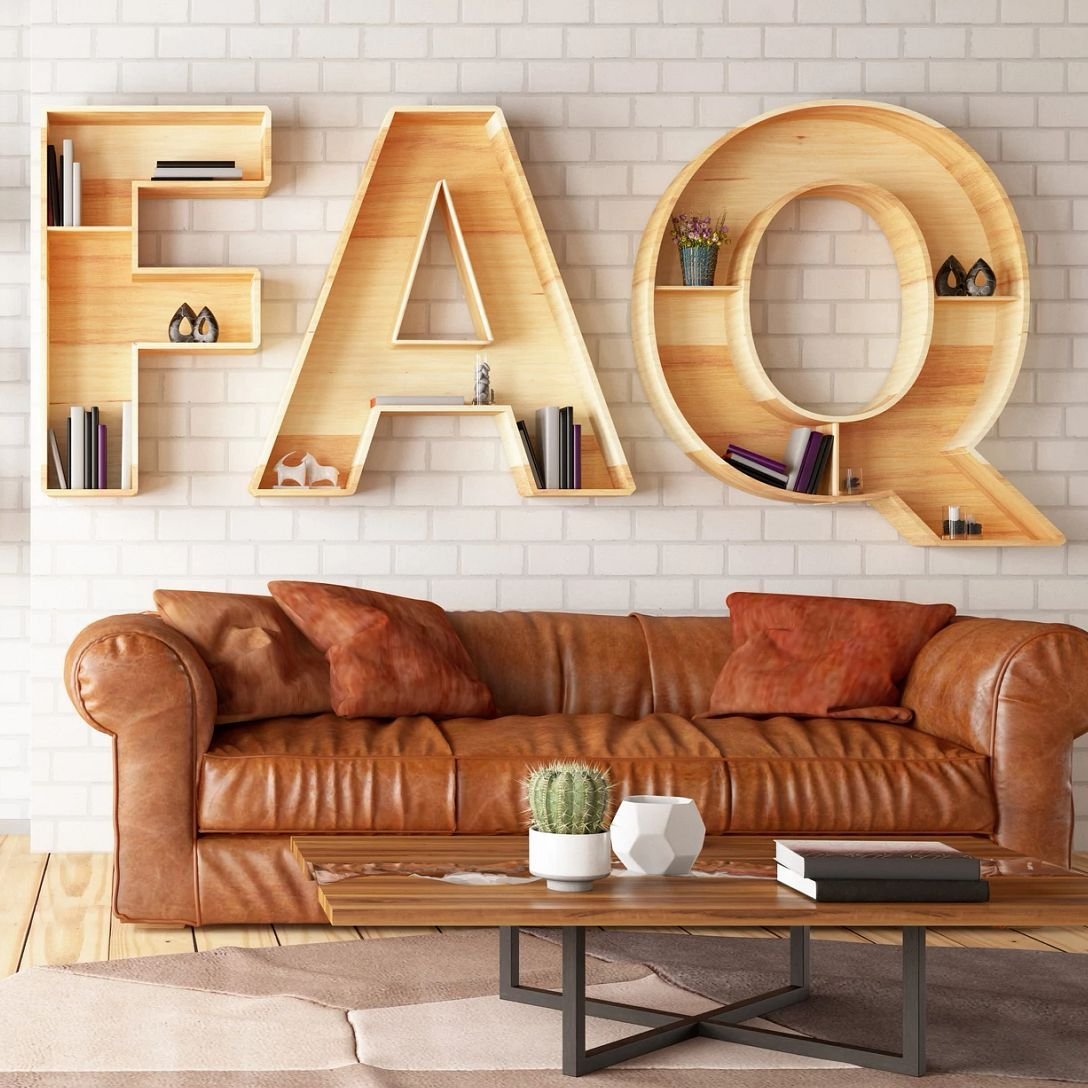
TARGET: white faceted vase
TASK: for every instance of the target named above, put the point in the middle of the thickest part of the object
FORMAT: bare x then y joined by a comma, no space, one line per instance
570,863
658,836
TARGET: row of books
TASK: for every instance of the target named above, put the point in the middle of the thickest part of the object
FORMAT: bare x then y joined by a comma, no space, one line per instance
84,462
555,460
63,187
862,871
806,461
196,170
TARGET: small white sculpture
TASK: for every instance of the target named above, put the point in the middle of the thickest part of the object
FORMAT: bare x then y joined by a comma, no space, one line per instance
482,393
303,470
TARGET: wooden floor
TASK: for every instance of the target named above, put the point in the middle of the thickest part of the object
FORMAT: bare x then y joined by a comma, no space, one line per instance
55,908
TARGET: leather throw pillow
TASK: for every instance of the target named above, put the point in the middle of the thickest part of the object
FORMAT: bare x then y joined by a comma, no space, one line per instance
389,656
261,665
822,656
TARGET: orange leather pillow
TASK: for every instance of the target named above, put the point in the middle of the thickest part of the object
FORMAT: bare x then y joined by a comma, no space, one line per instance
389,656
261,665
834,657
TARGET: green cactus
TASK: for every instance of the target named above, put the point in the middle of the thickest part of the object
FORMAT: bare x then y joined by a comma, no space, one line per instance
568,798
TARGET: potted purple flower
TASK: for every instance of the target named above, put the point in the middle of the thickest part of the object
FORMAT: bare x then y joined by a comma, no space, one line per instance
699,238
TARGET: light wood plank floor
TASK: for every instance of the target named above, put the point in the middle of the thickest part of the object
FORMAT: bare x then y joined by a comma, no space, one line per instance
55,909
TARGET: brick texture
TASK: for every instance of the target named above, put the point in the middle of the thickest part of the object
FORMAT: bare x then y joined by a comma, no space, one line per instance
607,100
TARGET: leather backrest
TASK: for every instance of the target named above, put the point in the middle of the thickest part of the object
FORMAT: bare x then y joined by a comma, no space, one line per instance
686,653
572,663
559,662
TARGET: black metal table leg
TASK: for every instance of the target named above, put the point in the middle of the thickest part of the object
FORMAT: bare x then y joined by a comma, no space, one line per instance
726,1022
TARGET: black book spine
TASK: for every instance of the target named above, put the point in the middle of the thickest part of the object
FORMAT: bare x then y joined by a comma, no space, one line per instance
822,459
167,164
68,451
566,447
902,891
530,453
93,462
52,191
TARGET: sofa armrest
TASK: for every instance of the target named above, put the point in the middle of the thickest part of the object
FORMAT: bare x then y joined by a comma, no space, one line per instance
144,684
1016,691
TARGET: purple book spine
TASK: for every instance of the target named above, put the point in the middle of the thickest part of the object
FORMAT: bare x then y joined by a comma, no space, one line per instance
102,477
576,461
770,462
811,450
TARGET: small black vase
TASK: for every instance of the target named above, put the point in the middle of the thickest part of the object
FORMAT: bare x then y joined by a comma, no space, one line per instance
951,268
205,328
183,313
981,280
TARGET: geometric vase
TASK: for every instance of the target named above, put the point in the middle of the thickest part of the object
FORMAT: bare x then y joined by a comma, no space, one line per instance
657,835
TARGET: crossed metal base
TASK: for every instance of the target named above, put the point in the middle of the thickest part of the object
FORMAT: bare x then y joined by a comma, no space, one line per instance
727,1022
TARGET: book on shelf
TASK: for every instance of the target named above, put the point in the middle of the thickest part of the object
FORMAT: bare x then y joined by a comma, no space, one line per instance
808,462
126,444
576,456
58,464
77,447
415,398
566,447
757,472
758,458
866,859
795,454
54,215
530,454
90,459
221,170
67,158
743,459
547,436
102,458
886,891
77,195
823,459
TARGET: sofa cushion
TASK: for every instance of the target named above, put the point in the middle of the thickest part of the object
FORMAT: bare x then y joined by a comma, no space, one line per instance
388,655
659,753
685,653
327,774
835,776
829,654
260,662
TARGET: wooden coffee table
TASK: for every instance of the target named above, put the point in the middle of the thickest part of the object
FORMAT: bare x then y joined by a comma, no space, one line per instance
1023,892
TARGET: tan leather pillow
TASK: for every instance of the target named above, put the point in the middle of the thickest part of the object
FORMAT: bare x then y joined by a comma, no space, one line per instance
262,666
389,656
834,657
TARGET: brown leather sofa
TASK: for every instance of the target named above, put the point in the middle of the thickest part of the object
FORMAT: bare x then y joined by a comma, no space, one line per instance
204,813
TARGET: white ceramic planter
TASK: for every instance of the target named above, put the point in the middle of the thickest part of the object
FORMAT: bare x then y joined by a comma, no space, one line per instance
570,863
658,835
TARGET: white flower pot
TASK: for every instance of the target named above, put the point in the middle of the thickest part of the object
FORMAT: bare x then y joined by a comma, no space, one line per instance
570,863
658,836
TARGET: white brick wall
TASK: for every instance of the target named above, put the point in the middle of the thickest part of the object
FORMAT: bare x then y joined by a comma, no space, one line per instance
607,99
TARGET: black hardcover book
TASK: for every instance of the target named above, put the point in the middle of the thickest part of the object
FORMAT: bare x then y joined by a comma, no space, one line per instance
68,452
530,453
93,437
886,891
52,186
822,459
167,164
201,178
566,447
755,473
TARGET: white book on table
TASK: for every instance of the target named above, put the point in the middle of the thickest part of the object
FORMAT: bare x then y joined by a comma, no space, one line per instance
548,443
66,185
77,448
126,444
77,194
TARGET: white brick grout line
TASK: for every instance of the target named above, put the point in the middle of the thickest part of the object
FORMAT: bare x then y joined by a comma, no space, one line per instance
607,99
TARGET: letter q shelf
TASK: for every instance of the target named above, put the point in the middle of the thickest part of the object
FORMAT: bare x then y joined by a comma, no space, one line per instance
101,308
957,358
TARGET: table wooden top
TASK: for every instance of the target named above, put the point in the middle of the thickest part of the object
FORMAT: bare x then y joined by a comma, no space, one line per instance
1023,892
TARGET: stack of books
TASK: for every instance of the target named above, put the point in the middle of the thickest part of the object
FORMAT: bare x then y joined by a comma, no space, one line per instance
84,465
556,460
765,469
863,871
196,170
63,187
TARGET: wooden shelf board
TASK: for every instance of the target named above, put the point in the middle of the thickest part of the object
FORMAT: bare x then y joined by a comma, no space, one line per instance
89,229
179,189
446,343
440,409
220,347
712,289
89,492
945,299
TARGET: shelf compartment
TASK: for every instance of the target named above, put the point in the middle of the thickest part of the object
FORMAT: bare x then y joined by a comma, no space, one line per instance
427,159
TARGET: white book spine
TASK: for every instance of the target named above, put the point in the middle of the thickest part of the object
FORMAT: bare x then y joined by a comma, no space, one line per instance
547,440
66,185
77,192
126,444
795,454
58,463
78,416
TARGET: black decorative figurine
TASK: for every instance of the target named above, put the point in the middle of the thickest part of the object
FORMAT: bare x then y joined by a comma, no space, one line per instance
960,283
205,328
984,286
184,313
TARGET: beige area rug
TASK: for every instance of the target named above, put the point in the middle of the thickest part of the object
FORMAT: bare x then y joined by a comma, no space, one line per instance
412,1012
